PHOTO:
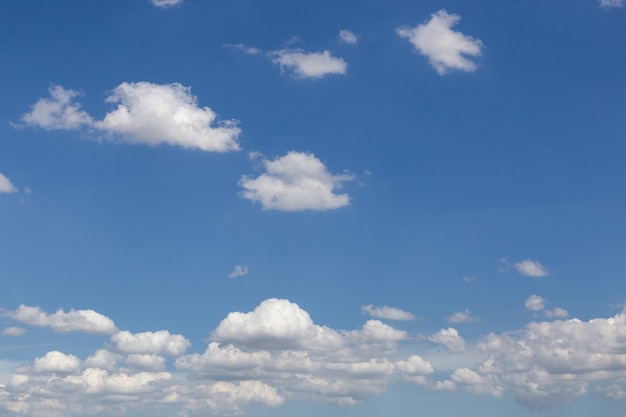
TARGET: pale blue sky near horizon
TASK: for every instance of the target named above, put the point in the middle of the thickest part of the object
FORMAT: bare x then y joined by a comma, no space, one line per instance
437,184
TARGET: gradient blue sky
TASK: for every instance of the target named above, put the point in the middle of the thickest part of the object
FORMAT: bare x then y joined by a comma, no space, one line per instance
274,208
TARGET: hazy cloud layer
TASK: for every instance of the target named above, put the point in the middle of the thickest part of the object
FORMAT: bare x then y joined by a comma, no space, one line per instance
445,48
294,182
146,113
6,186
308,65
389,313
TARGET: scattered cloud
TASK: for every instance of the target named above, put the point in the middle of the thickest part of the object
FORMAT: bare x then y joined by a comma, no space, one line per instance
146,113
250,50
347,36
6,186
445,48
13,331
450,338
239,271
611,3
294,182
531,268
557,313
308,65
462,317
389,313
469,279
87,321
264,357
535,303
166,3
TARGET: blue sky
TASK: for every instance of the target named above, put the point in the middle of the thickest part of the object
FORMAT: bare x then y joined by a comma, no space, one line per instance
230,207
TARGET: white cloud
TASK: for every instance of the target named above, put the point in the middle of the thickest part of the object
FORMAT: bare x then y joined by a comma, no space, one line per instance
348,36
535,303
13,331
146,113
6,186
311,65
294,182
166,3
469,279
159,343
146,361
558,313
56,361
250,50
462,317
531,268
611,3
450,338
389,313
87,321
445,48
239,271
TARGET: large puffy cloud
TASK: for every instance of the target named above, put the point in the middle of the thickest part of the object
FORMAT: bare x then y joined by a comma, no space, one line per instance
548,363
87,321
5,185
158,343
294,182
389,313
146,113
311,65
445,48
264,357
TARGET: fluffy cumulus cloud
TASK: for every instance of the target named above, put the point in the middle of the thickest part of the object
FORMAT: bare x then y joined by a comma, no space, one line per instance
389,313
5,185
462,317
146,113
87,321
548,363
310,65
239,271
445,48
264,357
611,3
531,268
165,3
450,338
347,36
536,304
294,182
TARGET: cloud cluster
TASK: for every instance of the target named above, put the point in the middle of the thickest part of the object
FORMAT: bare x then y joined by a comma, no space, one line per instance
294,182
389,313
262,357
311,65
146,113
445,48
6,186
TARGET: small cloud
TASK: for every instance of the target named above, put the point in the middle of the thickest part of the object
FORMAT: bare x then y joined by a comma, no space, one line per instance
535,303
13,331
347,36
611,3
308,65
87,321
531,268
469,279
293,40
239,271
557,313
450,338
166,3
6,186
445,49
389,313
462,317
294,182
250,50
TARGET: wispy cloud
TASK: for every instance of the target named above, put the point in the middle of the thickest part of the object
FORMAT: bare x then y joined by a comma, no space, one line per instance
146,113
611,3
462,317
445,48
389,313
166,3
347,36
536,303
294,182
239,271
